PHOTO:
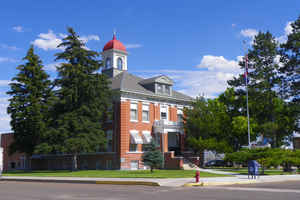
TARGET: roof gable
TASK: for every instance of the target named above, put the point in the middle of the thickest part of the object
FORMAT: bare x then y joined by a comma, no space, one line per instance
130,83
158,79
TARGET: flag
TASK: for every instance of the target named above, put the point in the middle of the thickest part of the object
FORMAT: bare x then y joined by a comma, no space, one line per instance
246,69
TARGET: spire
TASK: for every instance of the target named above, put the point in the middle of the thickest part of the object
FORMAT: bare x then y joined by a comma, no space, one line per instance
114,34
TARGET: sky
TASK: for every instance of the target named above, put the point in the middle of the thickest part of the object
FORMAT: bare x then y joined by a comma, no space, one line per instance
196,43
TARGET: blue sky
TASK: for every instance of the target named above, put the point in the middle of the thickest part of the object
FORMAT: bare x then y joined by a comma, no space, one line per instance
197,43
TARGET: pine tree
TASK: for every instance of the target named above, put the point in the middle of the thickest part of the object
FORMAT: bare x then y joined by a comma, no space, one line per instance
84,102
153,157
31,96
291,65
265,103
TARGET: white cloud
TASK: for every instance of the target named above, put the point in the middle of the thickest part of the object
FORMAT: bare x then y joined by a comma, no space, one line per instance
4,124
133,46
50,40
5,46
250,33
210,79
218,63
287,30
18,29
4,82
87,38
5,59
51,66
47,41
4,117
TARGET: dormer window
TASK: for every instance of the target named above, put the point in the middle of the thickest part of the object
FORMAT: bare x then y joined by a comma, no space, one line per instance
167,89
159,88
120,63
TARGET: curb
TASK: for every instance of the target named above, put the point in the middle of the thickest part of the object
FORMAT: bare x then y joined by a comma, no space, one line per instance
193,184
128,183
217,183
145,183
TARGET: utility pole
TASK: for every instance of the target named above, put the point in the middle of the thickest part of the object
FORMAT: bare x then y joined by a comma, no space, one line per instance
246,84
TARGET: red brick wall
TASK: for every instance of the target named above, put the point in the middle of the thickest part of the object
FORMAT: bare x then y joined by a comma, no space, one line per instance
6,140
126,125
171,162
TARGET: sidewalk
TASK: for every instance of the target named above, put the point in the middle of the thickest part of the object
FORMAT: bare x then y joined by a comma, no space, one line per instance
172,182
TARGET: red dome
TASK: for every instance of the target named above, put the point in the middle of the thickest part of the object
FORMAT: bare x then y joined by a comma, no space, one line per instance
114,44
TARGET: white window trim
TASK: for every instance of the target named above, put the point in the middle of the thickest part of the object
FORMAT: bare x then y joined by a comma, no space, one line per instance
167,112
134,152
146,121
134,106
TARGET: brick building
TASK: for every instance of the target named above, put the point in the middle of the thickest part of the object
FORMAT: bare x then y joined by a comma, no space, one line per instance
145,110
10,162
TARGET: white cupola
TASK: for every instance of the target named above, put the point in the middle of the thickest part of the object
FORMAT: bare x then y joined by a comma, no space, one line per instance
114,56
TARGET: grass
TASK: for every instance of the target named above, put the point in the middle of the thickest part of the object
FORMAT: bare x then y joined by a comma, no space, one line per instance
244,171
114,174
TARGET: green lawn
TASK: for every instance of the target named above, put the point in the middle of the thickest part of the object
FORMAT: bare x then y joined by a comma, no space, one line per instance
115,174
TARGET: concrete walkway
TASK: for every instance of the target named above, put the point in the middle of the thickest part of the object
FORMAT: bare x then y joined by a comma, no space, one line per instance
171,182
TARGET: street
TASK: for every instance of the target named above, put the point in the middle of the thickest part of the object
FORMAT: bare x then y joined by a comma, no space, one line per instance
50,191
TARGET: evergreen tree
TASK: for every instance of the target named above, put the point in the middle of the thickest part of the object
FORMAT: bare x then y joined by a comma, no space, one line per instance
291,68
84,102
291,60
153,157
30,100
265,103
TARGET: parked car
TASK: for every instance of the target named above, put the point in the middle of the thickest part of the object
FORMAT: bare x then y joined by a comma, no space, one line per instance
216,163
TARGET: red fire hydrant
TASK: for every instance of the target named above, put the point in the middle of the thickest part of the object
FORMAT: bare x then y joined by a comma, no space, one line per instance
197,176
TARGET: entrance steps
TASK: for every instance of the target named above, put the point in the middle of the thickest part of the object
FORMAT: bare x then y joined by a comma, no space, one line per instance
188,165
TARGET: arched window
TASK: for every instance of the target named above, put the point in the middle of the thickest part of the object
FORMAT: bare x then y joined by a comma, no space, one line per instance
107,63
120,63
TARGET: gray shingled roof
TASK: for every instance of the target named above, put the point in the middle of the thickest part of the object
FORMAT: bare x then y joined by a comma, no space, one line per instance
131,83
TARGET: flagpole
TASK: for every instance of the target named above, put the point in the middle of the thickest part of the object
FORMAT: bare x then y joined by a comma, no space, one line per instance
247,101
249,145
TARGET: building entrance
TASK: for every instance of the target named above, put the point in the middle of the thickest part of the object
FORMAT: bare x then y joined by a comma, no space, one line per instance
174,142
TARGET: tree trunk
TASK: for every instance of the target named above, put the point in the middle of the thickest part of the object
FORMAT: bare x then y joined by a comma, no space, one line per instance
151,169
74,163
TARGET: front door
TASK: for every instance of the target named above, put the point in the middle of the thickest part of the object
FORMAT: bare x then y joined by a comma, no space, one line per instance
174,142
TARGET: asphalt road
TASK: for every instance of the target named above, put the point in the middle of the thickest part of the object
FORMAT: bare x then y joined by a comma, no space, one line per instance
64,191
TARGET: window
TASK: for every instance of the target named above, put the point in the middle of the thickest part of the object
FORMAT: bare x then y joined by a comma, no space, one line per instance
109,134
133,147
12,165
164,112
133,112
167,89
145,113
135,139
120,63
107,63
109,164
146,147
179,115
159,88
